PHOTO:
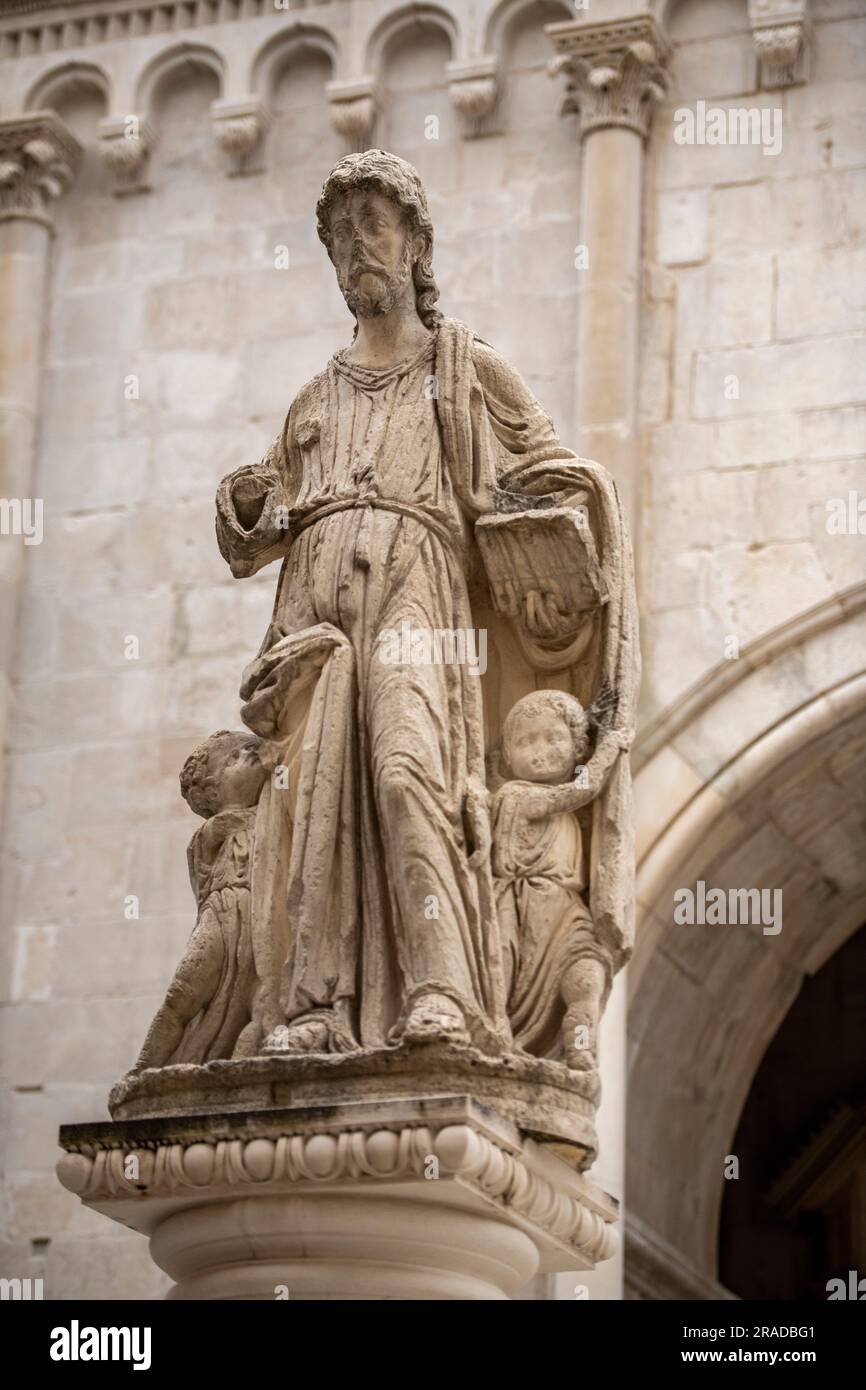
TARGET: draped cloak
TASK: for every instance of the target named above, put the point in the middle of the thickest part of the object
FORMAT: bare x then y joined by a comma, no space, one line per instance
364,891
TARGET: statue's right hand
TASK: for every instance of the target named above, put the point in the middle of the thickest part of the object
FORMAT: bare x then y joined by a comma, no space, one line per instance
249,495
289,662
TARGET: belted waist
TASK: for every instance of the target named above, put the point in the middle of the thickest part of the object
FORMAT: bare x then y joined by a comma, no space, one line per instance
383,505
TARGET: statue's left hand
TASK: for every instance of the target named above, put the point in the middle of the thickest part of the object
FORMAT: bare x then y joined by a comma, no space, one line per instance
546,612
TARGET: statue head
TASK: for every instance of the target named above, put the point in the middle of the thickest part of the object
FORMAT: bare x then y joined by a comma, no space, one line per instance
545,735
225,771
373,219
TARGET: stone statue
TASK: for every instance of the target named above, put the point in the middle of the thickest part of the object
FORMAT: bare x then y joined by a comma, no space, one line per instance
209,1006
559,969
418,493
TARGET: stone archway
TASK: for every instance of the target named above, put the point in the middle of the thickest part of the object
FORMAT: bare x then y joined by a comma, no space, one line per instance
757,781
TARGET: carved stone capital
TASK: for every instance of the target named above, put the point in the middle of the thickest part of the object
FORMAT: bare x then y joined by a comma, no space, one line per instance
352,108
780,32
385,1190
39,157
615,71
473,89
125,143
238,128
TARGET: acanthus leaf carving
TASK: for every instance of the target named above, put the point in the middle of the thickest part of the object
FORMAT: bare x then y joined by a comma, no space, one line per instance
39,157
616,72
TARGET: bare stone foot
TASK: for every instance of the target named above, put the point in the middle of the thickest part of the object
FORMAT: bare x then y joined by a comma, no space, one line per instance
309,1036
435,1016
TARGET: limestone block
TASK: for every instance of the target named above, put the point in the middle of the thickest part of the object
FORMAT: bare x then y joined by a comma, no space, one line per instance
90,267
272,302
95,323
781,504
813,104
50,711
841,556
152,536
202,695
679,645
793,213
274,372
240,614
99,473
53,1041
679,580
696,23
654,399
840,54
95,1266
31,1120
713,68
33,954
196,314
844,145
196,387
158,872
666,781
712,509
834,657
679,446
757,440
79,403
821,292
120,633
715,166
852,203
144,950
778,377
739,302
552,195
36,799
683,227
89,545
768,585
753,706
542,263
35,1207
186,462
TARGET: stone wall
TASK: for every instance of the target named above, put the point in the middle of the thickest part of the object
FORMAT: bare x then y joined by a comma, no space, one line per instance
752,381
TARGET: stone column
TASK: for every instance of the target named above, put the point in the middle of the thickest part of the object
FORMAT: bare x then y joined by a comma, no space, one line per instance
615,74
422,1199
38,158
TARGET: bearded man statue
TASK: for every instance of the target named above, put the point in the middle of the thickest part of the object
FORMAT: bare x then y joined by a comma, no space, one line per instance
374,911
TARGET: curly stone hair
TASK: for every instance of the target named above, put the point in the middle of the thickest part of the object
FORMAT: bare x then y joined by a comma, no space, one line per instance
397,180
199,787
568,709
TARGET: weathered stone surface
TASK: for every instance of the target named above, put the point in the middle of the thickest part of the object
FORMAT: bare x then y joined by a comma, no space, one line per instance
309,1187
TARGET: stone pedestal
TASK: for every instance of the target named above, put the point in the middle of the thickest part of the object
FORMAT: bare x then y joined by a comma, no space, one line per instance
426,1198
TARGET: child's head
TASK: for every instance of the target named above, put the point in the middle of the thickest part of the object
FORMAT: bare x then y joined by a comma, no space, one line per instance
224,771
545,736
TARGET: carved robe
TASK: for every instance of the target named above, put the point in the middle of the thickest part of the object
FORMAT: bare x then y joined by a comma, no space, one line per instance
219,870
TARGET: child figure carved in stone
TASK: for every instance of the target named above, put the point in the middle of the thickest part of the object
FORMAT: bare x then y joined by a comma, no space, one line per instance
558,970
208,1009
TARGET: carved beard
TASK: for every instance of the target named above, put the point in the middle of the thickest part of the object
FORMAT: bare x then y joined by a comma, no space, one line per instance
381,300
